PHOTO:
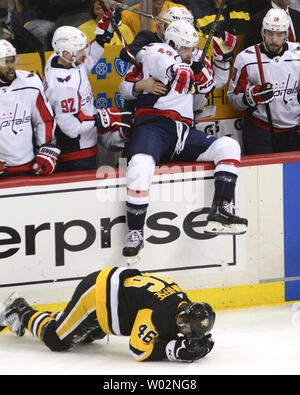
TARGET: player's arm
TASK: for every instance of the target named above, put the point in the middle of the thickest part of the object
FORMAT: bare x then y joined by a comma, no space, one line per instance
44,127
143,339
243,94
238,84
223,46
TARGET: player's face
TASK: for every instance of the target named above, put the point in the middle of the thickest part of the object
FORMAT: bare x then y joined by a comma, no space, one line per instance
186,54
274,40
184,326
8,68
80,56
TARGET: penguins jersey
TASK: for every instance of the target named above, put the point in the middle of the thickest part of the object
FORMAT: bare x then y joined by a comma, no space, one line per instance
70,94
282,71
156,59
142,306
26,119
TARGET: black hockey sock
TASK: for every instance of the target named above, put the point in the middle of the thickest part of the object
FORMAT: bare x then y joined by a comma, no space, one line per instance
35,320
224,185
136,215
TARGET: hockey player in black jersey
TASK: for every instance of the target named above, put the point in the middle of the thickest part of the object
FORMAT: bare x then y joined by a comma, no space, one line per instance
153,310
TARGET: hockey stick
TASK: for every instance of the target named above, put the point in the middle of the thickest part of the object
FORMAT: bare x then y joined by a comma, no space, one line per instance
145,14
268,110
120,35
211,34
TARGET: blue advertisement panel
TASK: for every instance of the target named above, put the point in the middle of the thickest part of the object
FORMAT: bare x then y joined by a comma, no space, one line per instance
291,193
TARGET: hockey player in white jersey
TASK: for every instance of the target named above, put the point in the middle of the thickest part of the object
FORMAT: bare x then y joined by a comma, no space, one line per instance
211,76
68,88
163,132
281,65
26,121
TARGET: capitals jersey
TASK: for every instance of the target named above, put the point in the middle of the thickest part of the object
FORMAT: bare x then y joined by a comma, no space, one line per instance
70,94
282,71
26,120
155,60
142,306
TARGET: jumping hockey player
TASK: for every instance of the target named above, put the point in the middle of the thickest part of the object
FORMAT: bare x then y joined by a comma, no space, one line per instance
217,74
163,131
26,125
157,315
281,65
69,91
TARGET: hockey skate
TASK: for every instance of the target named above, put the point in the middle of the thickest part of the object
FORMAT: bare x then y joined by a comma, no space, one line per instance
10,316
222,221
133,246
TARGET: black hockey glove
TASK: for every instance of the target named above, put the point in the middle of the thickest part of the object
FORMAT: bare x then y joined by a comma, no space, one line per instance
202,346
105,30
188,350
259,94
111,119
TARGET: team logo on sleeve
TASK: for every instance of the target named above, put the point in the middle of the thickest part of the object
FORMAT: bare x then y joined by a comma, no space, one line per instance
62,80
121,66
119,100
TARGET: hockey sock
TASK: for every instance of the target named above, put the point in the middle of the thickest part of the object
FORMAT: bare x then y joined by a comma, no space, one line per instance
35,321
136,215
224,185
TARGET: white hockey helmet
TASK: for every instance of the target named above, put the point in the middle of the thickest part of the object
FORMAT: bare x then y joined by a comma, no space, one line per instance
276,20
181,34
175,13
71,39
6,50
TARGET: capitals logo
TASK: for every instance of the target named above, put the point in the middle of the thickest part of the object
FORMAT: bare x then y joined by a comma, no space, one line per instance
121,66
62,80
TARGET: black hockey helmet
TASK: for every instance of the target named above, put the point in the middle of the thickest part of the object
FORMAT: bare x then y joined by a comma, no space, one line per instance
199,318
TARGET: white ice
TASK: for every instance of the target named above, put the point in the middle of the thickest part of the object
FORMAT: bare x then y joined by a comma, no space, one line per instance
252,341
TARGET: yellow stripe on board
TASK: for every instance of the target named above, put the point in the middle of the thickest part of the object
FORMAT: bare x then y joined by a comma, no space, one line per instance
240,296
223,298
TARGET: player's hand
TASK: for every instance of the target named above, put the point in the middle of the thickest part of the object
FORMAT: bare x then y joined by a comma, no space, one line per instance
202,346
204,81
151,85
3,168
259,94
104,31
45,160
186,350
223,46
111,119
181,77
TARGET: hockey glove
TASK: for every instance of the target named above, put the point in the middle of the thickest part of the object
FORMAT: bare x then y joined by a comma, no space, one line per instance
204,80
111,119
188,350
45,160
259,94
202,346
3,168
105,31
223,46
181,77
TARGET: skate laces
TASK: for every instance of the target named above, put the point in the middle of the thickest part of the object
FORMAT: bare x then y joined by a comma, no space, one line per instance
13,321
135,237
229,207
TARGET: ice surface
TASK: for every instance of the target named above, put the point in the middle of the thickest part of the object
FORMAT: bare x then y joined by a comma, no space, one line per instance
256,340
